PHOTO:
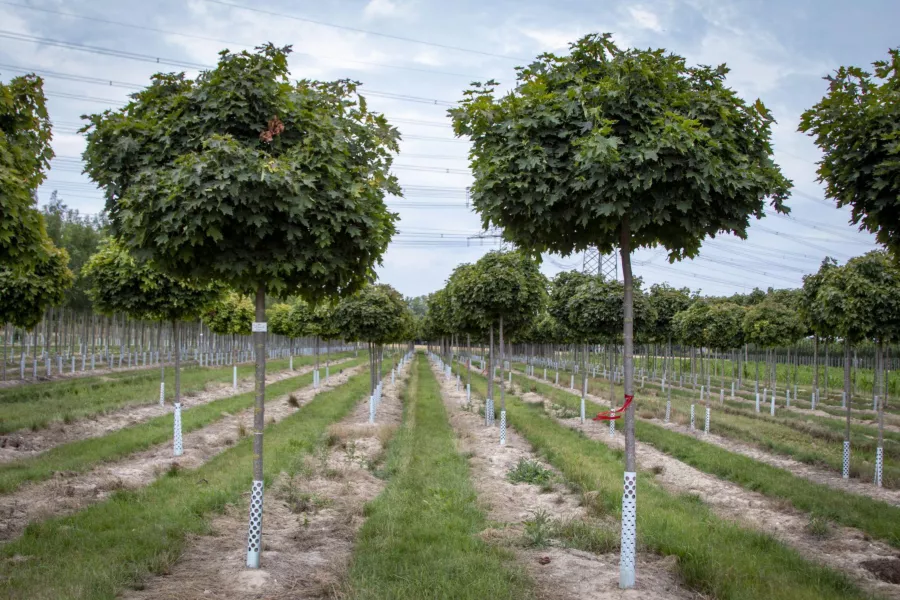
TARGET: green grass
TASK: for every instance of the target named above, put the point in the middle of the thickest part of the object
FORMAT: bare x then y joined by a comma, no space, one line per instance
878,519
715,557
83,455
806,438
37,406
421,538
106,548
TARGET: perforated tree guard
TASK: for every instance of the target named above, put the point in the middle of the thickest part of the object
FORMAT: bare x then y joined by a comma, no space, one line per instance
879,464
372,408
234,378
757,401
162,393
706,422
582,410
254,535
846,471
692,417
629,531
179,447
668,410
502,427
612,428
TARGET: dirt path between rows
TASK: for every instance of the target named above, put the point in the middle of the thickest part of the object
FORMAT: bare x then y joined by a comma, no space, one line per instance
78,374
69,493
310,519
842,548
25,443
560,573
812,473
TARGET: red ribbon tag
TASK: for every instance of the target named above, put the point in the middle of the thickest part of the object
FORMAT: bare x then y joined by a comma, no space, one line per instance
611,415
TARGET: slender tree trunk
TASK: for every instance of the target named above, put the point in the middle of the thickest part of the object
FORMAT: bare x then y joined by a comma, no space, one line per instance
626,574
502,365
259,416
846,386
490,373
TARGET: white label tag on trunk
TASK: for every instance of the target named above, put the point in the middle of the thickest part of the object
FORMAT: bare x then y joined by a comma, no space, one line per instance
259,327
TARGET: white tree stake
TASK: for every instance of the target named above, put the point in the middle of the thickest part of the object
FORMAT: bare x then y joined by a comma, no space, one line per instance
692,417
629,531
162,393
502,427
179,446
846,471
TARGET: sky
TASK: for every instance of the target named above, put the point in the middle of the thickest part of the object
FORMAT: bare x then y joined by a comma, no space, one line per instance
415,58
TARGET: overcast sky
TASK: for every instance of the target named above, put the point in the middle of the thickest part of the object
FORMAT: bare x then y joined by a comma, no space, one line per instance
415,57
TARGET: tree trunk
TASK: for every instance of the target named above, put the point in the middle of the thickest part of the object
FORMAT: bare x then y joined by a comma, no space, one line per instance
629,502
502,364
176,337
490,369
846,385
259,417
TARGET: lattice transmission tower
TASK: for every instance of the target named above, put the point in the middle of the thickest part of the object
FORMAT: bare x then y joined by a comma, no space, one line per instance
604,265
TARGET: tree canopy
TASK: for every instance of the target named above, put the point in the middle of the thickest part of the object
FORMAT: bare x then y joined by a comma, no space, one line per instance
120,283
502,284
666,301
232,314
376,314
26,294
605,140
855,125
596,310
25,153
771,324
244,177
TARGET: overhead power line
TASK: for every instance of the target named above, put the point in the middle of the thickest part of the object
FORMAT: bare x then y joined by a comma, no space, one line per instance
233,42
365,31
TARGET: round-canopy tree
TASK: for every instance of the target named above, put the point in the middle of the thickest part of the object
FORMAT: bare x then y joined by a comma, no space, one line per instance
122,284
506,288
25,152
27,292
855,125
810,310
608,147
667,301
232,315
855,299
771,325
377,314
247,178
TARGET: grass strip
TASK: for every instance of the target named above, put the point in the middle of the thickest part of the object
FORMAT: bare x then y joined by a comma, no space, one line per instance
818,442
114,545
421,537
878,519
36,407
715,556
82,455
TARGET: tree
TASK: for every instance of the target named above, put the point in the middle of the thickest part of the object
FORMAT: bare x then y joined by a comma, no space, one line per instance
231,314
667,302
855,126
378,315
25,153
26,293
506,288
122,284
280,187
855,299
771,325
608,147
810,311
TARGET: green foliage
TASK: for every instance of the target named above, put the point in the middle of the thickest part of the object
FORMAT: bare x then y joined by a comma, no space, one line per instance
25,152
244,177
122,284
605,140
501,284
809,307
26,292
715,324
231,315
689,325
80,236
418,305
856,126
321,322
290,320
666,302
596,310
562,288
461,281
861,300
377,314
771,324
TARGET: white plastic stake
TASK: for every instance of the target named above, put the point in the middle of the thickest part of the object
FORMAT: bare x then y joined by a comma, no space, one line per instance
572,383
162,393
772,405
757,401
692,417
879,462
582,410
706,423
502,427
846,471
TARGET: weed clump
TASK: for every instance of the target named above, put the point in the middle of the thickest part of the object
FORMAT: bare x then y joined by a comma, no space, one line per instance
818,527
538,530
529,471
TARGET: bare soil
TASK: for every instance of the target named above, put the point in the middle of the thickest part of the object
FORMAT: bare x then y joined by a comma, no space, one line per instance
25,443
841,548
310,517
67,493
560,573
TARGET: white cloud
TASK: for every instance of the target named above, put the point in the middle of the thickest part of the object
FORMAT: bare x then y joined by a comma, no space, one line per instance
551,39
645,18
381,8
